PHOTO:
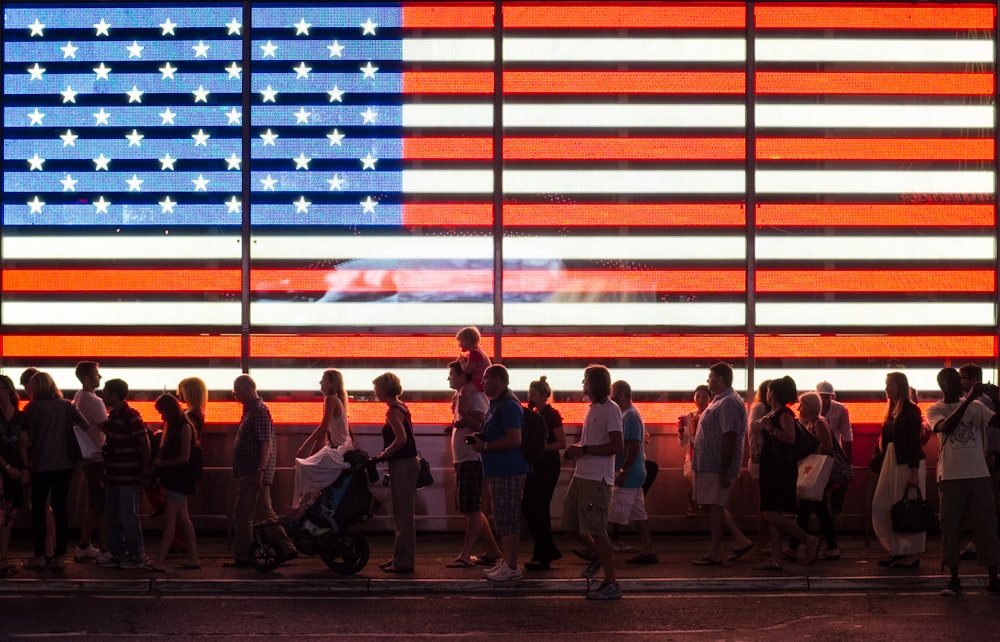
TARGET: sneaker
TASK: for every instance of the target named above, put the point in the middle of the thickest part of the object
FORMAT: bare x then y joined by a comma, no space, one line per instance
107,560
591,569
130,563
643,558
85,553
619,546
504,573
954,589
606,591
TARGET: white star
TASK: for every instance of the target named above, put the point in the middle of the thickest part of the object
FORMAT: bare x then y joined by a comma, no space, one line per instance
269,49
368,162
368,27
233,205
69,50
233,162
134,183
168,71
201,49
200,183
269,138
102,71
135,95
234,116
336,49
302,116
35,205
167,162
135,50
234,27
101,28
69,183
201,94
336,94
268,95
167,116
369,116
101,205
35,118
302,71
336,183
167,205
368,206
168,27
36,28
268,183
234,70
101,117
301,162
69,94
369,71
135,138
36,72
201,138
302,27
335,138
69,138
101,162
302,205
35,163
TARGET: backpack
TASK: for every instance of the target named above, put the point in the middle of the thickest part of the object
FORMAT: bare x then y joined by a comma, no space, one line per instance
534,435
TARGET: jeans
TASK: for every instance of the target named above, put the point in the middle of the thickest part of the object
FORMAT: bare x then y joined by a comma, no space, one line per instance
121,514
42,483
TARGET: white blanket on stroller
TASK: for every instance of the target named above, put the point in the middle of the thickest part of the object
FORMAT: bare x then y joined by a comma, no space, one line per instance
319,470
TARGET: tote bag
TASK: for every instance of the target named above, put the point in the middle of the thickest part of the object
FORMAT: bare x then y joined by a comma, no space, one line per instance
814,474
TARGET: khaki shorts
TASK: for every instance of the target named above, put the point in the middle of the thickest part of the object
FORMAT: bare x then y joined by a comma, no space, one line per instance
585,510
627,505
708,492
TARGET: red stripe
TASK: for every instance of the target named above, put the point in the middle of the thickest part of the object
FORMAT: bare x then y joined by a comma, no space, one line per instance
632,148
447,82
448,214
448,15
909,16
77,347
359,346
870,214
875,281
939,348
631,214
678,281
623,15
623,82
448,148
875,83
634,346
121,280
875,149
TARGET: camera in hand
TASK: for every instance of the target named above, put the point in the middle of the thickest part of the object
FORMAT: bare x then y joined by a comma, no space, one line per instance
470,440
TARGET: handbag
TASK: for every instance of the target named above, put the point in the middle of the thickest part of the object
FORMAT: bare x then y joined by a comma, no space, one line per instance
912,515
88,449
806,443
424,476
875,463
814,474
843,468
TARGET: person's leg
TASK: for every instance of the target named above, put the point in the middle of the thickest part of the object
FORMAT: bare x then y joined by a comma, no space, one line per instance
951,513
265,513
645,536
59,499
802,516
170,512
186,528
716,522
40,485
532,510
734,530
602,544
132,524
979,500
243,512
403,486
112,522
826,525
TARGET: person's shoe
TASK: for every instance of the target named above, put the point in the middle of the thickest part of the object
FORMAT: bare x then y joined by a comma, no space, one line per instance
58,564
643,558
968,553
107,560
954,589
890,561
86,553
37,563
619,546
606,591
831,554
538,566
583,554
591,569
131,564
504,574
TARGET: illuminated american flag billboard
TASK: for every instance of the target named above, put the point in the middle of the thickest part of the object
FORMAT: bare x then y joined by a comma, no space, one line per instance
793,187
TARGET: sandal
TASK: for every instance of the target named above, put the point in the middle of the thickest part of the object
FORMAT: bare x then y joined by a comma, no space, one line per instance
485,560
740,552
706,561
458,562
770,565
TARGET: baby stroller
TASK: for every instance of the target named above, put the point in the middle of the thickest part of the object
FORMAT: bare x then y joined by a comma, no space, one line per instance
323,528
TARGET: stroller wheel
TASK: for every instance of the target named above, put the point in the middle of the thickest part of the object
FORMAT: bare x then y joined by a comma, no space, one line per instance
264,554
344,551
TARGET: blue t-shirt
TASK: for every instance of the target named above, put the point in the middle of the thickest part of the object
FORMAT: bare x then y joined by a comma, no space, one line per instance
632,429
505,413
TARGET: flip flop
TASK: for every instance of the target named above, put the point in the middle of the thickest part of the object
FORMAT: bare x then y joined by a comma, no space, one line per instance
458,562
189,567
740,552
149,568
706,561
485,560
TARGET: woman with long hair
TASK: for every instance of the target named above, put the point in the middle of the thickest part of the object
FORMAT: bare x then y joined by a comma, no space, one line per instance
320,458
541,481
12,473
904,466
174,465
194,393
400,450
758,408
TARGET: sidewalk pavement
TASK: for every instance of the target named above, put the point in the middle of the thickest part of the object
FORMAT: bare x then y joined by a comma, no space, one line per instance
857,570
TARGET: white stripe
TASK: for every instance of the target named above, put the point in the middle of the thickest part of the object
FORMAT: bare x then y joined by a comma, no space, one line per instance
913,315
875,116
624,49
953,249
679,248
449,181
119,313
827,181
384,247
625,314
379,314
121,247
448,115
872,50
160,379
535,181
448,49
854,379
616,116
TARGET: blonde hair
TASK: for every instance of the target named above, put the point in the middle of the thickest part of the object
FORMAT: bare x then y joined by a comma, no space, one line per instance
469,334
337,379
194,392
389,384
542,387
42,386
811,400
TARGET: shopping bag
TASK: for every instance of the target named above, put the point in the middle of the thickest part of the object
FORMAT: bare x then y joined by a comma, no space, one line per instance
88,449
814,474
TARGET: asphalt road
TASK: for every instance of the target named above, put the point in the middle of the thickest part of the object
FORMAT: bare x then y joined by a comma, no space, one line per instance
752,616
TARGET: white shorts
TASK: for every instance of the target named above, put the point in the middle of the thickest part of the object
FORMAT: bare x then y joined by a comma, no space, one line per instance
627,505
708,492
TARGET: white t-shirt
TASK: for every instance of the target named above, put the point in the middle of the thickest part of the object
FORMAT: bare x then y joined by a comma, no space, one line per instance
468,400
601,420
963,451
93,409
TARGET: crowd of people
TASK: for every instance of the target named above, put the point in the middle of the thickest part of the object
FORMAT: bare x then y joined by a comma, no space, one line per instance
493,441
